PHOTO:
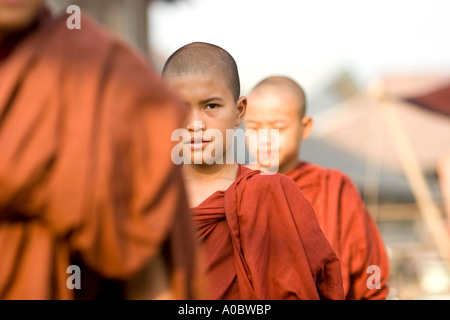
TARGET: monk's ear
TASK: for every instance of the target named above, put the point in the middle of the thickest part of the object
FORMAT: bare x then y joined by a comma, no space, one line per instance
308,124
241,108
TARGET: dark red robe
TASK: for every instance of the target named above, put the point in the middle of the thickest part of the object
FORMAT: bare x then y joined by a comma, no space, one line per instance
347,225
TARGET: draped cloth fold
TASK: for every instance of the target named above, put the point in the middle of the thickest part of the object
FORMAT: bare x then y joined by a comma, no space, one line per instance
262,240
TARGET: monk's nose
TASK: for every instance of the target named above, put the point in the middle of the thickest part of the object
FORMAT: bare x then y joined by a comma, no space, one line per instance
195,122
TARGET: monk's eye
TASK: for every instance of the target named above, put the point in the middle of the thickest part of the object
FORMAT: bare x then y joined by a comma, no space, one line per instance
212,106
253,125
279,126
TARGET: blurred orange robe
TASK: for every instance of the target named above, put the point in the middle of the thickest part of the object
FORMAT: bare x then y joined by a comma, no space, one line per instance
85,166
262,240
347,225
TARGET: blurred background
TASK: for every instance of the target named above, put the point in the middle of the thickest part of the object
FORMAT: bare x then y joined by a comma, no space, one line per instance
377,79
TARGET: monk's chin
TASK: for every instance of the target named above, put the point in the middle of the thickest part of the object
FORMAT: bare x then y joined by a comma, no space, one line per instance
204,162
268,163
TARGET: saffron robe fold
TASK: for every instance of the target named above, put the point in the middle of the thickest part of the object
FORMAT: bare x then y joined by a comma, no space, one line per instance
85,165
348,226
261,240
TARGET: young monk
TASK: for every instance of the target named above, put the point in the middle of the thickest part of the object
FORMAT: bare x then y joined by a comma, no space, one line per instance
260,236
86,176
279,103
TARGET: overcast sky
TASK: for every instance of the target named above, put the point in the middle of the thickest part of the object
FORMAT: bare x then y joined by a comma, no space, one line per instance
311,40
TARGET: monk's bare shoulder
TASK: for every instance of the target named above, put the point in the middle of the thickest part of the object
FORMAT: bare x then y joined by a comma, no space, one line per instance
95,57
95,47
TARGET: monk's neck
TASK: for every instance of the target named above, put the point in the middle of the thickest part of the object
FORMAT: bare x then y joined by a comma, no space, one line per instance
210,172
201,182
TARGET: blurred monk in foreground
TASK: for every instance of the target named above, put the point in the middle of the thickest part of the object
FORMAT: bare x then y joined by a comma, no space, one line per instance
86,177
279,103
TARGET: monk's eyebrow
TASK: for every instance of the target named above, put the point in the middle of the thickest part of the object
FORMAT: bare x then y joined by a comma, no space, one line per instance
279,120
212,99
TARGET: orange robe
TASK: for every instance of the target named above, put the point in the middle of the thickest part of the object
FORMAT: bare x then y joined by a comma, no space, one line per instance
85,166
348,226
261,240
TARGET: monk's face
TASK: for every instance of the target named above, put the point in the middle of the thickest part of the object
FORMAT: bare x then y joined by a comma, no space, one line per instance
213,115
272,108
17,14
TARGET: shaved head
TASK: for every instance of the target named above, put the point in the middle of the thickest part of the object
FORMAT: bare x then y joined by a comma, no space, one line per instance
204,58
286,84
278,103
